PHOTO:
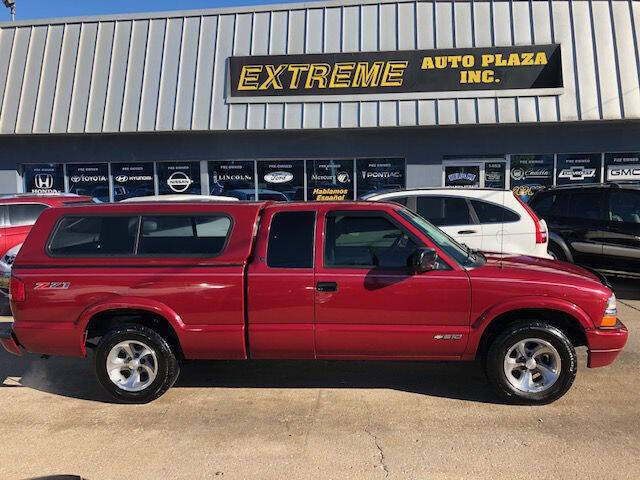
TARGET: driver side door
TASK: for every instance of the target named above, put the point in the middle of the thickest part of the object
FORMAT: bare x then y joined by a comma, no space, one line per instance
368,304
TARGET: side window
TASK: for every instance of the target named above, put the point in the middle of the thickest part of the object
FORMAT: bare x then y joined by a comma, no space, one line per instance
492,213
586,205
94,236
3,213
366,241
25,214
400,200
444,211
291,240
183,235
624,206
542,203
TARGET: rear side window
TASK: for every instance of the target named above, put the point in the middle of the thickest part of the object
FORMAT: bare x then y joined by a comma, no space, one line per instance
94,236
24,214
542,203
400,200
444,211
492,213
586,205
291,240
183,235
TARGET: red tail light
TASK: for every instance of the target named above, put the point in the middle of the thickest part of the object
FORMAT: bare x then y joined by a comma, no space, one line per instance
541,233
17,290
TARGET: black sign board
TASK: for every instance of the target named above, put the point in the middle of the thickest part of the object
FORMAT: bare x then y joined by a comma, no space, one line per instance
231,177
178,178
456,69
329,180
379,174
281,180
530,173
494,174
622,167
578,168
462,176
89,179
44,178
132,180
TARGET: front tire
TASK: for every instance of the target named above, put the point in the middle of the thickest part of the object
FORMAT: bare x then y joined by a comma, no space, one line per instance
134,364
531,363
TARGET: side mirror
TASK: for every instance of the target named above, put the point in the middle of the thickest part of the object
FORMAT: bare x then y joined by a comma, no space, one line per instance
423,260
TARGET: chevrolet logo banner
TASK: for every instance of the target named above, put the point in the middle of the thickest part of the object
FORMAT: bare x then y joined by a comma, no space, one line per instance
411,71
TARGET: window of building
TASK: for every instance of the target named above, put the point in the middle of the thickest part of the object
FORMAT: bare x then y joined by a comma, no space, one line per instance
530,174
94,236
367,242
44,178
132,180
175,178
280,180
24,214
89,179
444,211
235,178
578,168
375,175
183,235
291,240
330,180
492,213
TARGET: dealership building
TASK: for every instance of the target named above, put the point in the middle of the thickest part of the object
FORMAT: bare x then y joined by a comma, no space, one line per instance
322,100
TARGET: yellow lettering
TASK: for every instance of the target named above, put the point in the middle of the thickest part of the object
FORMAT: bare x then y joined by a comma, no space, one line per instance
296,70
249,77
468,61
514,60
393,72
541,58
527,58
427,63
341,76
487,76
318,73
366,75
273,79
441,62
488,59
500,62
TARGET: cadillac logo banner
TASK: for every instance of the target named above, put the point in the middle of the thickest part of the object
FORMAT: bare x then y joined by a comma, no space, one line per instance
410,71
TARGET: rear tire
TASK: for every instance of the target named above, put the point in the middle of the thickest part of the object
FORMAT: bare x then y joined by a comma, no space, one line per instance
134,364
556,252
531,363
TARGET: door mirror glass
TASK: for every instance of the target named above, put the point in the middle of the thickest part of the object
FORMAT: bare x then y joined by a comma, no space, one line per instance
423,260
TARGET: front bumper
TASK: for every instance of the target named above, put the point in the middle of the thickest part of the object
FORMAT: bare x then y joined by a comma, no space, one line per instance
605,345
8,339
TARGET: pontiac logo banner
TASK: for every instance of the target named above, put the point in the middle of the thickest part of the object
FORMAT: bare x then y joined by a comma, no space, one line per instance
411,71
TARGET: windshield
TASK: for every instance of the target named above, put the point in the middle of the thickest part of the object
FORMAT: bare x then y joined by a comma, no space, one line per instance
460,253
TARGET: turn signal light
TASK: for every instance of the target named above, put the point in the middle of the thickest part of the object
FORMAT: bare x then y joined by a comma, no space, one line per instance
610,318
17,290
608,321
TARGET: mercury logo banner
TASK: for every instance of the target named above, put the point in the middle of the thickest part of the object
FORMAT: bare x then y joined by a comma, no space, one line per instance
410,71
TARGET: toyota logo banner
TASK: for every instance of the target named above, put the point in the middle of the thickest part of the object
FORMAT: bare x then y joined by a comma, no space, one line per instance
43,178
89,179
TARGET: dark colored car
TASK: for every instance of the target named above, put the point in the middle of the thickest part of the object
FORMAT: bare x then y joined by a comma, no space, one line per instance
149,284
597,226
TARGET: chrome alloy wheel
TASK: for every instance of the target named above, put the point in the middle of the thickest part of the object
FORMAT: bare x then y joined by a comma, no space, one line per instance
532,365
132,366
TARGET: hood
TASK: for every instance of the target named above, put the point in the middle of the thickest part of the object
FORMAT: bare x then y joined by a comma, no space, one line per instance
543,267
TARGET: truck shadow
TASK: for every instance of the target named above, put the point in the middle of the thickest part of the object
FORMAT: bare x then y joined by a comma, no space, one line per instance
74,378
626,289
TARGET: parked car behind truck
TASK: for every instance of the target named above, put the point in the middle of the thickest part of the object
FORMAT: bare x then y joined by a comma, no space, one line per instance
148,285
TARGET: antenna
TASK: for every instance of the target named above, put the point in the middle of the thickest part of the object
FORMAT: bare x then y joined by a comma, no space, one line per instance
11,5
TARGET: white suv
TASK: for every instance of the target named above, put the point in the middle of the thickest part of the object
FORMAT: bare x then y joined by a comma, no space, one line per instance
484,219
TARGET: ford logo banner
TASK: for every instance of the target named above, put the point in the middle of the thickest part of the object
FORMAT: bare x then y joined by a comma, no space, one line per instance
278,177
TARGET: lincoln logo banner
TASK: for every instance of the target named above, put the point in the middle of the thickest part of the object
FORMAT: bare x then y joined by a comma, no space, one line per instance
412,71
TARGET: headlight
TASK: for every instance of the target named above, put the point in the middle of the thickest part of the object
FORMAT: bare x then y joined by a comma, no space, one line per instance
610,318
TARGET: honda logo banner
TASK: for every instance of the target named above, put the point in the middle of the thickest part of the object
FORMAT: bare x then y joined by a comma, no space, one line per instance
578,168
379,174
329,180
176,178
44,178
622,167
89,179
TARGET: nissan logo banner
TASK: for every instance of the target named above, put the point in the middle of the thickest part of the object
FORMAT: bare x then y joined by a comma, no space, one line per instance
44,178
622,167
410,71
178,177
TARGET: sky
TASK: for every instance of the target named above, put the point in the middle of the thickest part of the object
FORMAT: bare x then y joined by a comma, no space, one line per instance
30,9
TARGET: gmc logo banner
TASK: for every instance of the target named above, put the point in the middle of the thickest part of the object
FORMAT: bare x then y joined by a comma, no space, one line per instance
411,71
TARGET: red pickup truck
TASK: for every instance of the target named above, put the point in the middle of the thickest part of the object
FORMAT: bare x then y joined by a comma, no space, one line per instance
148,285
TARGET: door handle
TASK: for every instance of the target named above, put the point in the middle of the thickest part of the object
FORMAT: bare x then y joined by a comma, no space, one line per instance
327,286
467,232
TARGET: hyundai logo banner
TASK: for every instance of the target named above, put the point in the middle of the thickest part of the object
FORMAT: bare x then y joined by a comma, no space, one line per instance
578,168
410,71
132,180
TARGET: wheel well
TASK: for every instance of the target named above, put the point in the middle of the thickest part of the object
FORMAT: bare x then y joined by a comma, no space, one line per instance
102,322
569,325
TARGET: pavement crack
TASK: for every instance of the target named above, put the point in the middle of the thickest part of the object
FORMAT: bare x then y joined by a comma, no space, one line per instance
629,305
381,459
